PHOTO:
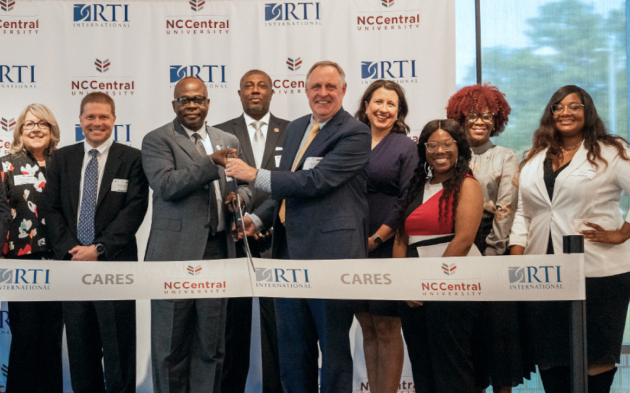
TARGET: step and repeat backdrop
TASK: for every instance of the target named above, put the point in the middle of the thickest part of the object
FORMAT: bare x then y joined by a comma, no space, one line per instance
55,52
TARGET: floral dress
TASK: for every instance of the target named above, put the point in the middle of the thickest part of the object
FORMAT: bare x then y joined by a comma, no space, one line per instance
24,181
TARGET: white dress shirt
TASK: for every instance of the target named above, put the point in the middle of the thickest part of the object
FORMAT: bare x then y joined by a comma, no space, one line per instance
101,156
207,144
252,130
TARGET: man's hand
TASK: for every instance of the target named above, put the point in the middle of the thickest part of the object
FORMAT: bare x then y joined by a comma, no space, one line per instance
230,202
237,168
414,303
220,157
250,229
84,253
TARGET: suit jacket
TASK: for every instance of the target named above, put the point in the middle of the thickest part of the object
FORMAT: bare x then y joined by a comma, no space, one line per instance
273,148
180,177
326,207
118,215
582,192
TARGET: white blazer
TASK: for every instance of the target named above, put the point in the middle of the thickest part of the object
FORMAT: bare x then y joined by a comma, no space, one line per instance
581,193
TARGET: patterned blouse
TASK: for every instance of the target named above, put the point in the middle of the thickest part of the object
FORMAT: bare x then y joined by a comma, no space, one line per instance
496,169
24,180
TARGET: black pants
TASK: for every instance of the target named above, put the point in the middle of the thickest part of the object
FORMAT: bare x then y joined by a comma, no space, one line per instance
100,331
35,356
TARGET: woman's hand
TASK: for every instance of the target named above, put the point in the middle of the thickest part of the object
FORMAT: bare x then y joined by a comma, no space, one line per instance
414,303
600,235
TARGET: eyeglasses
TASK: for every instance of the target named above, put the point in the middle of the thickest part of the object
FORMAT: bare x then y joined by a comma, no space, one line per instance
447,145
198,100
30,125
574,107
486,117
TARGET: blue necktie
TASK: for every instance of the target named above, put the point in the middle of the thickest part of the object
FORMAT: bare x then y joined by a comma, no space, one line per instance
85,230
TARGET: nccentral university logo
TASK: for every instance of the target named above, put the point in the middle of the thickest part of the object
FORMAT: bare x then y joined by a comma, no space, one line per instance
102,65
7,5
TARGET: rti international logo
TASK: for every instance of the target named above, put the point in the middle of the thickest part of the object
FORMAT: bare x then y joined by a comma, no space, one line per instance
4,323
535,277
114,85
386,17
292,82
400,71
293,14
122,133
17,77
282,278
213,76
101,15
24,279
200,23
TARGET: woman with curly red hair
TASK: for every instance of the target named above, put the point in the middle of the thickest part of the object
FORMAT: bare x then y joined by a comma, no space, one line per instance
483,113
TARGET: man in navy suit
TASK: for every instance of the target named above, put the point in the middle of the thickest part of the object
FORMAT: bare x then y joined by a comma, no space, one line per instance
95,199
318,210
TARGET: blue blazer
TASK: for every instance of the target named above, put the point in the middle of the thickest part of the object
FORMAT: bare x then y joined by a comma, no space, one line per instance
326,207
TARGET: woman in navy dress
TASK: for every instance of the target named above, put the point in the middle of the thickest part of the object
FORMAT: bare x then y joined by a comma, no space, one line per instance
394,156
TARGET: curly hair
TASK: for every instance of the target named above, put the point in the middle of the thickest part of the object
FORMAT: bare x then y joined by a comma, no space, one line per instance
452,186
548,137
474,99
400,126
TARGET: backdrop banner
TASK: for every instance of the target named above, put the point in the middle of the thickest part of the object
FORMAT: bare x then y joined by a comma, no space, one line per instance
55,52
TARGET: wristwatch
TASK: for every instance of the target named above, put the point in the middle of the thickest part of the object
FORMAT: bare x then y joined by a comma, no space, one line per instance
100,248
377,240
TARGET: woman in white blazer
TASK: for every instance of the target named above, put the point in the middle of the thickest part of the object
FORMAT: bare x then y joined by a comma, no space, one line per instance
571,183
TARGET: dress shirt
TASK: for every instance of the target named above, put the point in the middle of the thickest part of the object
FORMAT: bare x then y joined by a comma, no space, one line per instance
101,156
263,176
252,130
207,144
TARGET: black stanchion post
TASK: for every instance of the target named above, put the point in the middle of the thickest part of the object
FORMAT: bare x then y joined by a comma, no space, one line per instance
574,244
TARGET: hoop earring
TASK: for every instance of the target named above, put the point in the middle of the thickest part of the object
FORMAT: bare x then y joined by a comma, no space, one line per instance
428,171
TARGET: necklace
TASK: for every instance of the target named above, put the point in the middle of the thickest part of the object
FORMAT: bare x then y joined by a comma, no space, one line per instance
573,147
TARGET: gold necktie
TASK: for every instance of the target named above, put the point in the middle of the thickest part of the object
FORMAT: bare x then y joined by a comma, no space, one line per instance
309,139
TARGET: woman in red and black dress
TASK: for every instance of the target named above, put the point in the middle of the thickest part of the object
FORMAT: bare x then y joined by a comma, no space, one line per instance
444,204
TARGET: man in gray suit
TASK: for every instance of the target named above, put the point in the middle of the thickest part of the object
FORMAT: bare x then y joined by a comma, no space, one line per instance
189,223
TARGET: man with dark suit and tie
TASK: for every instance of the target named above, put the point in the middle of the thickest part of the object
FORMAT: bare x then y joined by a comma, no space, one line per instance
95,199
261,136
318,209
181,161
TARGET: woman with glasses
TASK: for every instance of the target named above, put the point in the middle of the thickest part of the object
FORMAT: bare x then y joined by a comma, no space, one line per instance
383,108
570,183
440,217
483,113
36,327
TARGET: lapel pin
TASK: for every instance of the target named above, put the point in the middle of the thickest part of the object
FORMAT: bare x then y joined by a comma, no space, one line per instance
276,130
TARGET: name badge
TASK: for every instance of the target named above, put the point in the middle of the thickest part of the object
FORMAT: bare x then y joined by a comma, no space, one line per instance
24,179
278,161
120,185
311,162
